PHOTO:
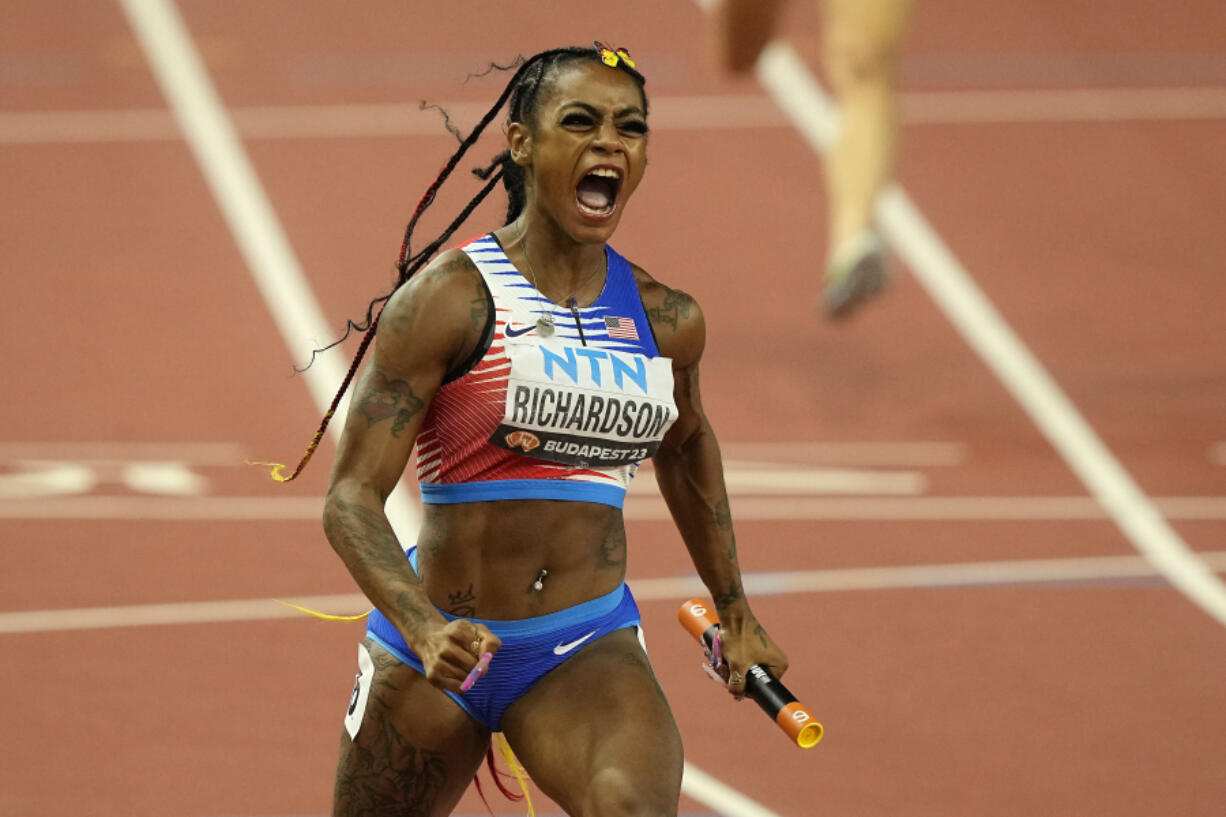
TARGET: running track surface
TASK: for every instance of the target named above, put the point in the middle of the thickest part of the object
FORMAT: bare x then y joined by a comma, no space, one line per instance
130,318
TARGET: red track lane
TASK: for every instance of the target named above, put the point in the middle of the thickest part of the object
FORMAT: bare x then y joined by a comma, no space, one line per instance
130,317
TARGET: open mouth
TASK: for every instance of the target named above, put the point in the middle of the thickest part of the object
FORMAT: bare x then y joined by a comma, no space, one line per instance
596,193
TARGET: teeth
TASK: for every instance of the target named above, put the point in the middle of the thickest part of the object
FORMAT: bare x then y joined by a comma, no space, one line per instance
607,172
589,211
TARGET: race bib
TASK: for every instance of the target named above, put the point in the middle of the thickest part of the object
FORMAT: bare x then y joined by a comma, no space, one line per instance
585,407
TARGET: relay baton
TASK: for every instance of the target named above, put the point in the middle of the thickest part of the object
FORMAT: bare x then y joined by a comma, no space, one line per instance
477,671
760,684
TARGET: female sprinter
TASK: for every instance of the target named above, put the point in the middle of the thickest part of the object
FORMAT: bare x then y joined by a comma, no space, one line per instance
533,368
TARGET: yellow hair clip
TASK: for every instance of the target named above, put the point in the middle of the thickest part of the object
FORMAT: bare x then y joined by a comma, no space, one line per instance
611,56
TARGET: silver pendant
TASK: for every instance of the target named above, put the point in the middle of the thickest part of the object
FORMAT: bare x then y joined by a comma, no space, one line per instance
544,326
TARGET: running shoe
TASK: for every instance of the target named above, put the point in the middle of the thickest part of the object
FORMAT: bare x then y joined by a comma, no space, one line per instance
857,273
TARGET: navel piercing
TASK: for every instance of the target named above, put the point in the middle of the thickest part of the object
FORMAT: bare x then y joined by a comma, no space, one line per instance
539,584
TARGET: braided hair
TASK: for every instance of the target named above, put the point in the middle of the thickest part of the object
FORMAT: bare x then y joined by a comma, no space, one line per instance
524,91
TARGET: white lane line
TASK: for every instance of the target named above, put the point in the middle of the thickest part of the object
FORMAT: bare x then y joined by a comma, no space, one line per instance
640,507
201,612
793,87
87,127
36,479
720,797
900,454
933,508
780,478
1048,106
766,583
235,185
742,480
166,508
970,574
113,452
668,113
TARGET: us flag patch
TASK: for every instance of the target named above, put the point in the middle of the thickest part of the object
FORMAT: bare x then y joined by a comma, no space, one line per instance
621,328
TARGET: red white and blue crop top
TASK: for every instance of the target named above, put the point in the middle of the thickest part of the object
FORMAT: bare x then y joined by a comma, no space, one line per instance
569,416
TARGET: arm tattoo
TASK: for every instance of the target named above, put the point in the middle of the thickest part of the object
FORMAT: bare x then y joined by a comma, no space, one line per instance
723,521
365,541
676,305
367,534
384,398
689,384
408,604
761,634
732,596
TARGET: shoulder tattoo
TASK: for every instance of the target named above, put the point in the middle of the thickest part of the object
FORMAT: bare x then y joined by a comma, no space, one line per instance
676,306
403,316
479,308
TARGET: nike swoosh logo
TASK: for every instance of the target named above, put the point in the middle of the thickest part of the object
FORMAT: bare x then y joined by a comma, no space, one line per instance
513,333
563,649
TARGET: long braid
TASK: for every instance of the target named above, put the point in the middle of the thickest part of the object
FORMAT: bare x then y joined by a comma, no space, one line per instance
277,470
432,190
403,260
523,90
538,62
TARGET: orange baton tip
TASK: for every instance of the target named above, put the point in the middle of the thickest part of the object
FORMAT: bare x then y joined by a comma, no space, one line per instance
800,725
696,617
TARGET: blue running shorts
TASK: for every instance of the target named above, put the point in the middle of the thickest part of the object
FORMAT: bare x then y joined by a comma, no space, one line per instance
531,647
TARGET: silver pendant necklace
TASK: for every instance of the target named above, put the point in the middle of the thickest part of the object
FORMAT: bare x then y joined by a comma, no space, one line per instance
544,321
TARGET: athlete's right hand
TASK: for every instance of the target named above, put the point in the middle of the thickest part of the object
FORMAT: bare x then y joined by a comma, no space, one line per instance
449,652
